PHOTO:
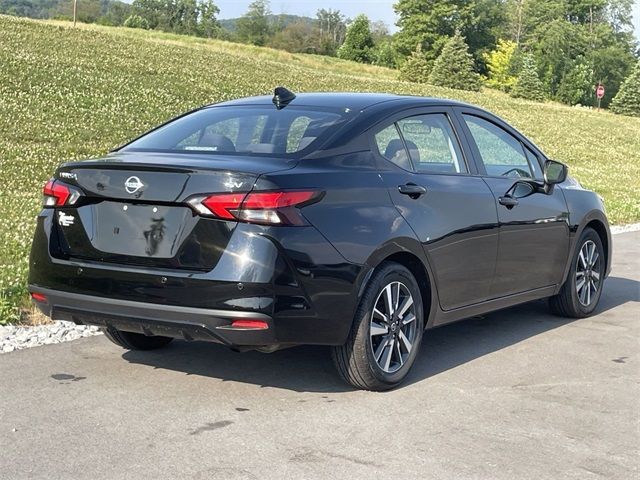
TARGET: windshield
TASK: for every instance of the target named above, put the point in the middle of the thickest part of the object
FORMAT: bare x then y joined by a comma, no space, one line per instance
250,130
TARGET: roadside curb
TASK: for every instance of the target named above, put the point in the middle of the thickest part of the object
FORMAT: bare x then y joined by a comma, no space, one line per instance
631,227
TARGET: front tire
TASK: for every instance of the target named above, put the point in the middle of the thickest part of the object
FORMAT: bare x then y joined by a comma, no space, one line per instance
386,333
580,293
135,341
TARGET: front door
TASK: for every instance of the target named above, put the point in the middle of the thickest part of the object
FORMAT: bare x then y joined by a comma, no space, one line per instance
534,232
451,211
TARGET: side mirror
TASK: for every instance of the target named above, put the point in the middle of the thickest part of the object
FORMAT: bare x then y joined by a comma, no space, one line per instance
554,172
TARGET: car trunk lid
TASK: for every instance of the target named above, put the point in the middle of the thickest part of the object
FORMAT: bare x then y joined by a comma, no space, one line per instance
133,209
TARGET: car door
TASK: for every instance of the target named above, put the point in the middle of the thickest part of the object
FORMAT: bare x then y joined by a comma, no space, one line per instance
451,210
534,230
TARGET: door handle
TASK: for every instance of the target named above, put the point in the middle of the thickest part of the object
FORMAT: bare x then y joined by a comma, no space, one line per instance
508,201
411,189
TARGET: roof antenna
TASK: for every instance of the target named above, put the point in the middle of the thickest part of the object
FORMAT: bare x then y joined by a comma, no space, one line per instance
282,97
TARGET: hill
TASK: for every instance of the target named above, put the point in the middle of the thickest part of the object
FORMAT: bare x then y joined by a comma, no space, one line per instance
74,93
111,12
281,20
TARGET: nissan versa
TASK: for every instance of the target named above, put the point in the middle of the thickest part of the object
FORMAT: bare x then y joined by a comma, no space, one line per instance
350,220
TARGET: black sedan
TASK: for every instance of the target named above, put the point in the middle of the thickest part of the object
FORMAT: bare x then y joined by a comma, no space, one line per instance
351,220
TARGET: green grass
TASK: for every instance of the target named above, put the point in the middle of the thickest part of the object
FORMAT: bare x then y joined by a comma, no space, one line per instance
74,93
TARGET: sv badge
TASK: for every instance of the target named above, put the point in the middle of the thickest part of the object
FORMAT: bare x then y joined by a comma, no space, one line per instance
231,185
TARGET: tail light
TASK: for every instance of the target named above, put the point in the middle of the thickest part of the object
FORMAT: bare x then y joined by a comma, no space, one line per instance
57,194
266,208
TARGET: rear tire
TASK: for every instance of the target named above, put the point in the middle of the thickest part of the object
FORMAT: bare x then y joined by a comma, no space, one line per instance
386,333
580,293
136,341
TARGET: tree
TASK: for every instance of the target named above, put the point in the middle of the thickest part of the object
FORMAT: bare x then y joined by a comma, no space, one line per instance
454,67
528,85
500,65
297,37
429,22
253,26
208,15
433,22
627,100
577,86
136,21
153,11
417,67
333,28
384,54
570,36
358,41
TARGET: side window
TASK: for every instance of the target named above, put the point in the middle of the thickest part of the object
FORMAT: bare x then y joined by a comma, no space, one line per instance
534,162
432,144
296,133
501,153
391,147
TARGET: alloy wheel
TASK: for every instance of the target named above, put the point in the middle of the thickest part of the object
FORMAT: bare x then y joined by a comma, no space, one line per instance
393,327
588,273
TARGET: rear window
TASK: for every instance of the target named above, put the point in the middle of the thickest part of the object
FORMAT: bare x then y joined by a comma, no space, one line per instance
247,130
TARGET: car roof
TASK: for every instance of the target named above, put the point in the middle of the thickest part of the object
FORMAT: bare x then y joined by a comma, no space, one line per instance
355,101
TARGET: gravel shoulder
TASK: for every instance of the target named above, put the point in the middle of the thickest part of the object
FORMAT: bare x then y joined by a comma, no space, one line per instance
17,337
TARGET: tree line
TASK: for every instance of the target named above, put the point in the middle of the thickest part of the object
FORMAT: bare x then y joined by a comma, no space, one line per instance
537,49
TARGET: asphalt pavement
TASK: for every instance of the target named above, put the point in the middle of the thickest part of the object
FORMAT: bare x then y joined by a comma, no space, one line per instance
518,394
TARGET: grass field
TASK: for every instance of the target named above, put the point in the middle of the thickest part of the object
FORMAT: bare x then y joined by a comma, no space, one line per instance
74,93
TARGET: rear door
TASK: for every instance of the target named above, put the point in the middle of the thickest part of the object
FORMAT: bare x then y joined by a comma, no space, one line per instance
451,211
534,234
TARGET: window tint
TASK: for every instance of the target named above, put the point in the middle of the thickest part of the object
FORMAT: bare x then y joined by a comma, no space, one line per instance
391,147
501,153
246,130
432,145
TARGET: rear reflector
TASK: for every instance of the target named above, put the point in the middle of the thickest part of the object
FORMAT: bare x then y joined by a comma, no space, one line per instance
266,208
250,324
39,297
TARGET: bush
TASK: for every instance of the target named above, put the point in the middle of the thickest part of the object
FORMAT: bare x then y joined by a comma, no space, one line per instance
416,68
454,67
627,100
528,85
136,21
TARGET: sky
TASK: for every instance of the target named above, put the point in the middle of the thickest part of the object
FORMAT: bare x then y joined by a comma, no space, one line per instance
374,9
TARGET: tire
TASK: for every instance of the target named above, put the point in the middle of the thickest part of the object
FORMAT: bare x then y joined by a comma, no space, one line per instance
135,341
571,301
356,359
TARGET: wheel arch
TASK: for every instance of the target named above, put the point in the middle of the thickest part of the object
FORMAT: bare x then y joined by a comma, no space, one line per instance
596,220
603,233
409,254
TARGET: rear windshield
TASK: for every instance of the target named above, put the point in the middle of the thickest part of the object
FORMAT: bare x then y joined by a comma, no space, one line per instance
260,130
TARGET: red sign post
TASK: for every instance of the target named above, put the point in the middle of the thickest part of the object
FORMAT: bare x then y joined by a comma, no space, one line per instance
599,93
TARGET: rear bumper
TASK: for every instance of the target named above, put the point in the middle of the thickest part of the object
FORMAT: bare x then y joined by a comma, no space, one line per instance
151,319
290,276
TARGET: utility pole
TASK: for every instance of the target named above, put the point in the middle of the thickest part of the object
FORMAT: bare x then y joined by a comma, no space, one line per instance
75,11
